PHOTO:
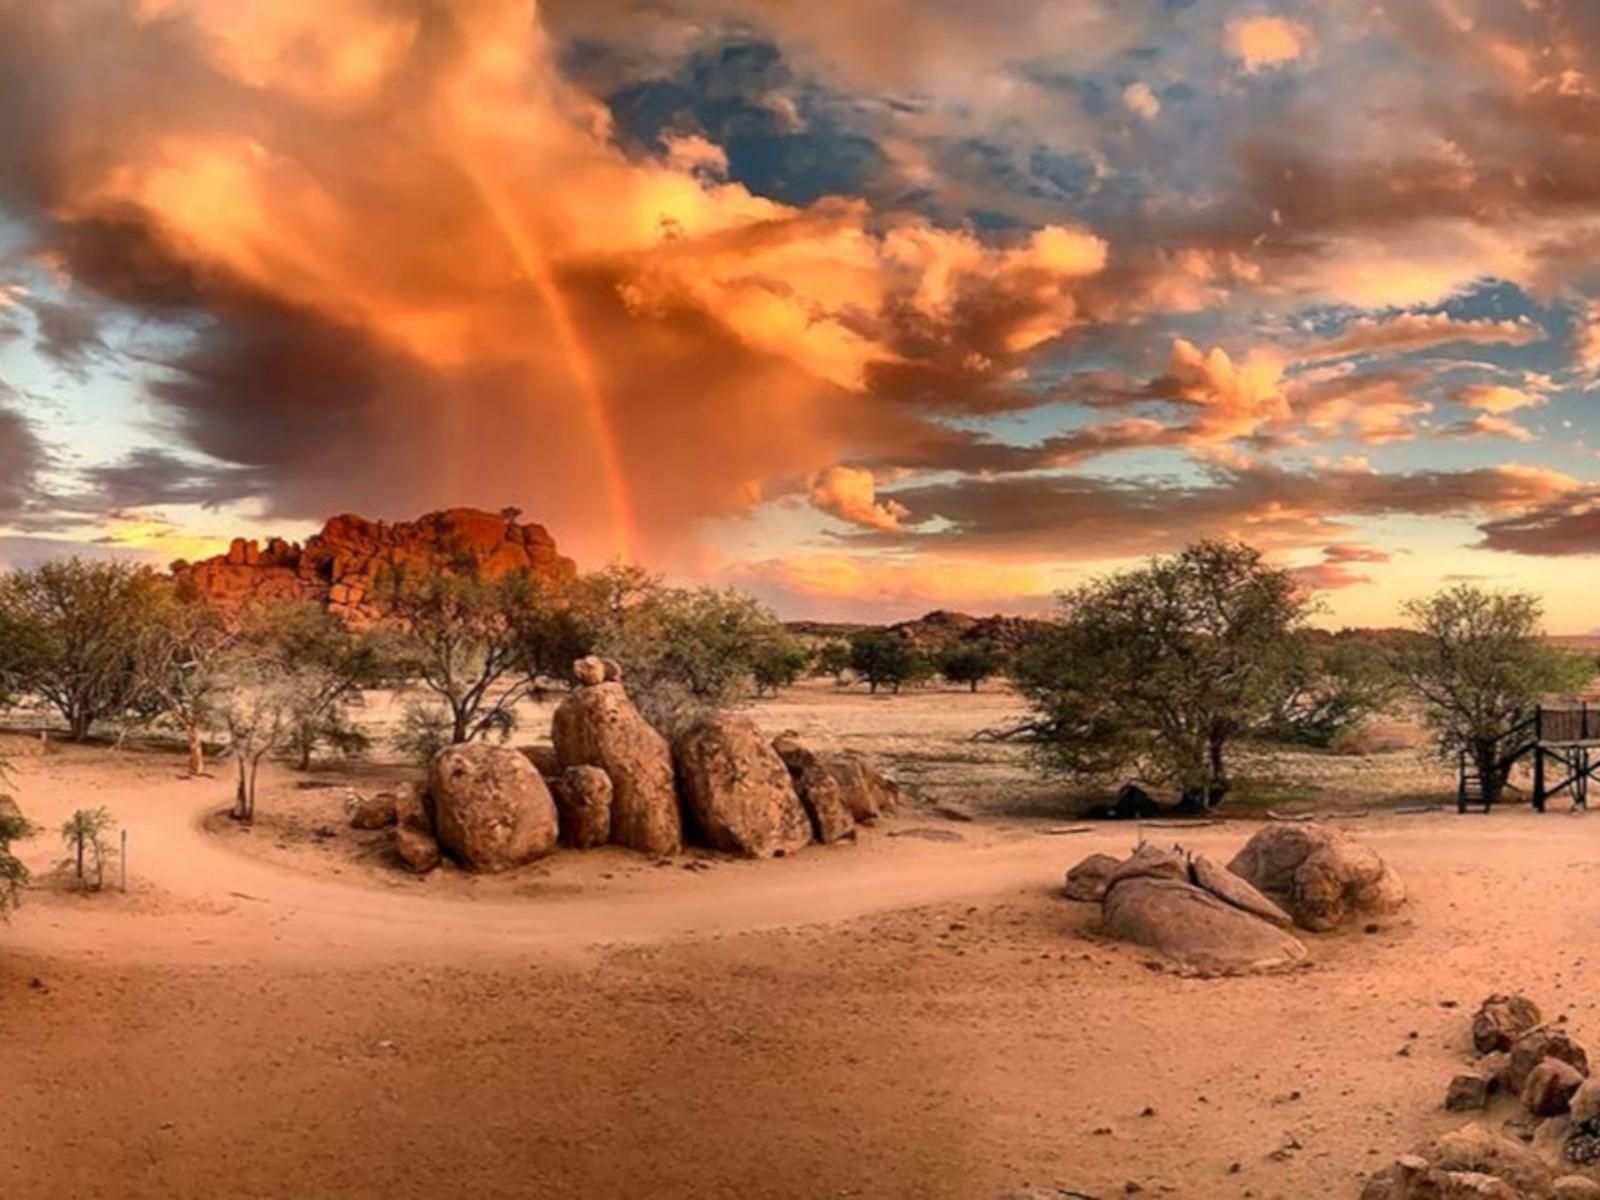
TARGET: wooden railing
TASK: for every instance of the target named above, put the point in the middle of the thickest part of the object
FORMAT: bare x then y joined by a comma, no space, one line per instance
1578,722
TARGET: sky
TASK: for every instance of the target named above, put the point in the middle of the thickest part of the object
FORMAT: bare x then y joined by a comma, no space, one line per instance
866,308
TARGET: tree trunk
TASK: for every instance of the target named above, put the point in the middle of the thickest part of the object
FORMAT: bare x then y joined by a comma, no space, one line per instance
240,810
305,754
80,862
78,724
1486,756
1217,786
197,750
458,732
974,683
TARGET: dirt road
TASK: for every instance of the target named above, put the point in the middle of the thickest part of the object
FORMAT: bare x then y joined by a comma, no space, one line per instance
901,1018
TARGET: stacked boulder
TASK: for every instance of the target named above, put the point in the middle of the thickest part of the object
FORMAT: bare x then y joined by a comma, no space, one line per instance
1553,1151
1322,876
611,778
1188,909
598,726
1212,919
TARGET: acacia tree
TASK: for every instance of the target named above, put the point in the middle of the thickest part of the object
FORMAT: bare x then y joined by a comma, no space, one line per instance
1161,669
461,637
257,700
832,658
331,664
970,663
1479,664
684,651
79,621
177,650
887,659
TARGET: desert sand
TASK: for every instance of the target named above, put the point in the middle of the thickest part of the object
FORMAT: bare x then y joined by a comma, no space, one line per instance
284,1013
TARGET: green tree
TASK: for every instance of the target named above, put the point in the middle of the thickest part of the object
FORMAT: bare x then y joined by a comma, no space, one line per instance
78,621
1478,665
887,659
258,699
462,636
177,647
14,827
1160,670
684,651
1337,686
969,663
84,834
332,663
778,662
833,658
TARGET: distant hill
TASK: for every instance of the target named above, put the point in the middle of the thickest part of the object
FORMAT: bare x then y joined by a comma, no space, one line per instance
937,631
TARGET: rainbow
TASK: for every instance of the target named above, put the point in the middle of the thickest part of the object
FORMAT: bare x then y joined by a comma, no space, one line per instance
535,266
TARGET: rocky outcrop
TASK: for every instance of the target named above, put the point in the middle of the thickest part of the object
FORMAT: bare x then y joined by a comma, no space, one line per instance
492,810
376,811
865,792
738,790
1153,900
1087,880
819,789
1320,875
414,840
1501,1020
598,726
340,567
583,800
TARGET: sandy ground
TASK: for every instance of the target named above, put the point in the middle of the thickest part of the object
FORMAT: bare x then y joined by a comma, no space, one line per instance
283,1014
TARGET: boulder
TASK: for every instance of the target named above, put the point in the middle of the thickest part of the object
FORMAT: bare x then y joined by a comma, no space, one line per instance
417,848
1468,1092
1533,1048
598,726
1087,880
376,811
583,802
1550,1087
820,792
1193,928
866,792
1320,875
1501,1020
1575,1187
1151,861
738,789
492,810
1472,1148
414,841
1209,874
1586,1103
612,670
544,760
589,671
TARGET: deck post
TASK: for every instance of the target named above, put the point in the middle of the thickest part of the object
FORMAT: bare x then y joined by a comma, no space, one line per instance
1538,776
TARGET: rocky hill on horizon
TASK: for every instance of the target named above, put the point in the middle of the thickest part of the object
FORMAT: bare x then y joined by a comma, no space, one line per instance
339,567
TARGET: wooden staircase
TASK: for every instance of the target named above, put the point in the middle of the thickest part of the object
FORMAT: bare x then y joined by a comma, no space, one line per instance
1469,786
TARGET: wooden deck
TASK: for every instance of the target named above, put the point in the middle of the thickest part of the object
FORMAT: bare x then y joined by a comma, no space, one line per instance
1563,739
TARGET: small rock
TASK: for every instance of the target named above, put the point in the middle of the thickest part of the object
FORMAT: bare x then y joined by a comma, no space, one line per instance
1550,1087
1087,880
1501,1020
1467,1092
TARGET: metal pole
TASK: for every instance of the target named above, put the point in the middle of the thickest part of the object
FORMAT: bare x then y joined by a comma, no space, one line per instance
124,860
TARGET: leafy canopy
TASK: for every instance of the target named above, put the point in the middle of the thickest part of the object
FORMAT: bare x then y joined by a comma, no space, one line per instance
1159,670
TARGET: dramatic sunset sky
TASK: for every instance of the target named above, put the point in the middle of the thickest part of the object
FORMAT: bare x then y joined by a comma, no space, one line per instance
867,306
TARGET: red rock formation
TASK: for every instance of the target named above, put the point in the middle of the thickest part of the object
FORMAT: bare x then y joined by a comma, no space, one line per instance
340,566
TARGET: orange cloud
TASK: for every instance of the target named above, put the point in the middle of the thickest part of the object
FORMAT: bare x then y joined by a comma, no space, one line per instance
849,493
1262,42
